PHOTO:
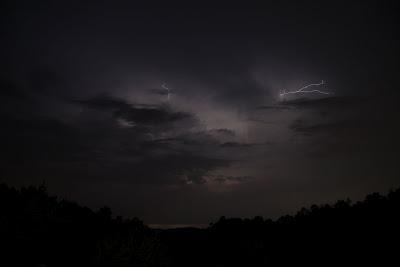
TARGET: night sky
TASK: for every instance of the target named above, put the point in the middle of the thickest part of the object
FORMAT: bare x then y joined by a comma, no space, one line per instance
172,112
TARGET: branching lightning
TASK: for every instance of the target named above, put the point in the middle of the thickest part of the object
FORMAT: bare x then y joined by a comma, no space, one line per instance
302,90
164,86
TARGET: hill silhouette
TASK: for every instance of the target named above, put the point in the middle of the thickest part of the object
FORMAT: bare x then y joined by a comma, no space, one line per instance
37,229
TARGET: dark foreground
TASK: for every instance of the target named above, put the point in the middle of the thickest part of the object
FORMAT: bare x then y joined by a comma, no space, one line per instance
40,230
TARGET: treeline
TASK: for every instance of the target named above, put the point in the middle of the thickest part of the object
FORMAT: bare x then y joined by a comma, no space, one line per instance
40,230
365,233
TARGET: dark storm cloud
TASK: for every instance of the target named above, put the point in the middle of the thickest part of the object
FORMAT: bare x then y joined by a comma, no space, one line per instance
330,127
238,89
149,165
140,114
40,139
99,148
351,127
141,160
274,107
46,81
8,89
223,131
46,126
224,64
158,91
226,179
344,113
235,145
344,118
200,139
329,102
180,168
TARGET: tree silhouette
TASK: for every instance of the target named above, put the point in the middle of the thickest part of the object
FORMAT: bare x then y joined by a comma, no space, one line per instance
41,230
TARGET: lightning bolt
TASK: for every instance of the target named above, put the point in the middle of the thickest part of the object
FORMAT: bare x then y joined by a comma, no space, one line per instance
302,90
164,86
